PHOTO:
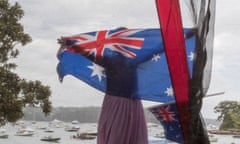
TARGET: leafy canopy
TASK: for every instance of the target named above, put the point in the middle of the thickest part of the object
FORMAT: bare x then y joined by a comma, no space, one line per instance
229,114
15,92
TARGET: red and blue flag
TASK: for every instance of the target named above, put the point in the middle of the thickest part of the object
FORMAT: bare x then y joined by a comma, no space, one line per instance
122,62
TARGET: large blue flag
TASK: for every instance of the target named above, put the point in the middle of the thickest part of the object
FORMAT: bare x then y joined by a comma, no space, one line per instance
122,62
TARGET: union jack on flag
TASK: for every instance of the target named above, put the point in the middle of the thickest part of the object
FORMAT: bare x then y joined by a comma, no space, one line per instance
167,115
96,43
164,114
122,62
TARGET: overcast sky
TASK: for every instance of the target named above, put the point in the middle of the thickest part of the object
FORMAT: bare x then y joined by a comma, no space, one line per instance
47,20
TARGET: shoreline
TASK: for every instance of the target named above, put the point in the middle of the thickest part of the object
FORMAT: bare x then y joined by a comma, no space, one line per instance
225,132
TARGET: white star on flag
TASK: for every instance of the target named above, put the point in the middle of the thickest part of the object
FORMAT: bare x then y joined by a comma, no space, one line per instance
191,56
156,57
97,71
169,91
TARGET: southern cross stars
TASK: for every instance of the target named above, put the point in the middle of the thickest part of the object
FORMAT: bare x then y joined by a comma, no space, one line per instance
156,57
97,71
169,91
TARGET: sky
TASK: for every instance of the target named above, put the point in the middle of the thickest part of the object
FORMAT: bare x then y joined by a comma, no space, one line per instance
47,20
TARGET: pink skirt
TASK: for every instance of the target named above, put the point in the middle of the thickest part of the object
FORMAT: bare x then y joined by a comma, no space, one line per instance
122,121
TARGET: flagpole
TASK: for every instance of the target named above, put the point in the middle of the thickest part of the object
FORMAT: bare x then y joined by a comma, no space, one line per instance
214,94
207,96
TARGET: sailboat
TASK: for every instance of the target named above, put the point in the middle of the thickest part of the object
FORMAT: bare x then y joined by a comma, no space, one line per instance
25,131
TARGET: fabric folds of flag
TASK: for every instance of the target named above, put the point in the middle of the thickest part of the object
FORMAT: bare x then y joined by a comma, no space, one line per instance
122,62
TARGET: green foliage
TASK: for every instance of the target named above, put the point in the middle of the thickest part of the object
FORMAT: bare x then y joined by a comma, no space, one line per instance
10,105
35,94
11,32
16,93
226,107
236,120
229,114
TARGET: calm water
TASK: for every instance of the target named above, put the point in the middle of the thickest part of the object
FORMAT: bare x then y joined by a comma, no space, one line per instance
66,136
39,133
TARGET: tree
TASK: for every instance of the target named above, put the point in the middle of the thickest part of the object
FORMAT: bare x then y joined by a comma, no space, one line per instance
11,32
229,114
15,92
10,105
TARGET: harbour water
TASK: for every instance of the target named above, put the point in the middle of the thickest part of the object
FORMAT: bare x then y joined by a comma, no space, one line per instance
66,137
39,132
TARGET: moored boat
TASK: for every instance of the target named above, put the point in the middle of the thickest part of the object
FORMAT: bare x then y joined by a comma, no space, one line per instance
73,128
84,136
3,133
50,138
48,129
75,122
25,131
212,138
236,136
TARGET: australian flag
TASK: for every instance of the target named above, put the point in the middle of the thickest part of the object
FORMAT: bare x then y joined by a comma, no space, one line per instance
167,115
122,62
